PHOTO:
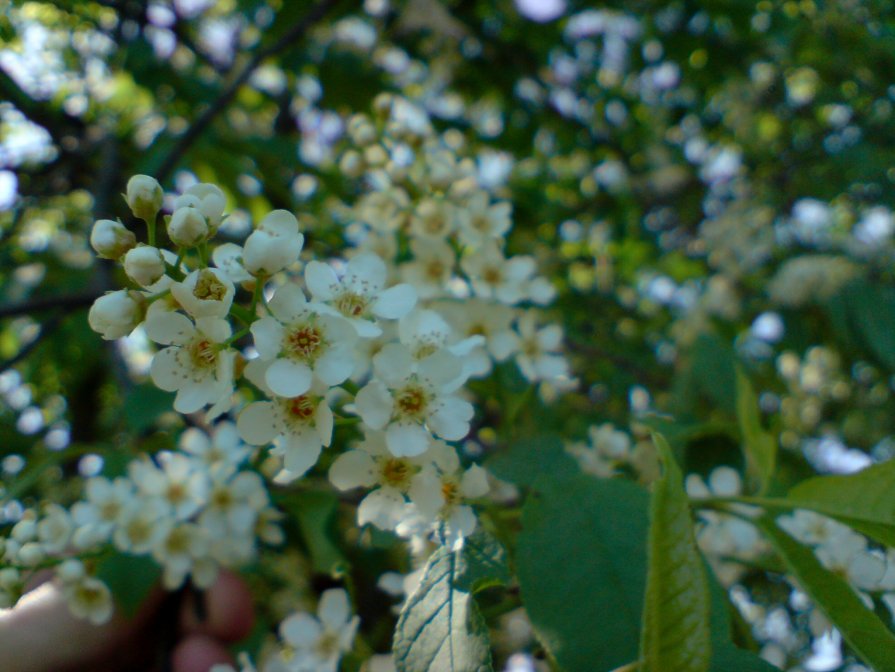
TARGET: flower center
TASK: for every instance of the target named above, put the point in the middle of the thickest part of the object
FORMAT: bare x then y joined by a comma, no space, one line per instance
203,353
395,472
450,490
491,275
351,304
328,645
304,341
411,401
208,287
300,408
435,270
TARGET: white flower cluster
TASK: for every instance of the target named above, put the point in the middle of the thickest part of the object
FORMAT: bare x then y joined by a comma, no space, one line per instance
309,643
404,330
847,553
192,510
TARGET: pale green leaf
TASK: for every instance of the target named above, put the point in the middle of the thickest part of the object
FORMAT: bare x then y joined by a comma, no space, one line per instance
440,627
865,496
865,633
130,578
676,635
760,446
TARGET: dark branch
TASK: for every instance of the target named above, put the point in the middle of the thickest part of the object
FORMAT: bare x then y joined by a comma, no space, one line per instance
46,329
65,302
289,39
56,122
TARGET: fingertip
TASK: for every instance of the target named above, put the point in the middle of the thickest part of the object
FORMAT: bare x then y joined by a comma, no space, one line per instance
198,653
228,613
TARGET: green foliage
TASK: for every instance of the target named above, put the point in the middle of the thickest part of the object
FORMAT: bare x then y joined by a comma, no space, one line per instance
676,608
863,500
525,460
314,512
440,627
863,313
760,446
581,556
130,578
861,628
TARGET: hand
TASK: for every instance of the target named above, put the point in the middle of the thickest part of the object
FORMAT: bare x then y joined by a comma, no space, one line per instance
41,635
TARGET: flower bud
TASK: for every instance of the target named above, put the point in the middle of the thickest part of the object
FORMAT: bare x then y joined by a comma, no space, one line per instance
144,265
116,314
187,227
31,554
111,239
144,196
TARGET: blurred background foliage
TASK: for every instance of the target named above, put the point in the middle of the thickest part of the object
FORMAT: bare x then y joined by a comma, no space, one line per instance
707,184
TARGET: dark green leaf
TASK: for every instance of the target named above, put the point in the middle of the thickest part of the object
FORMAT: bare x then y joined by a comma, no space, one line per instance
527,459
581,556
676,633
130,578
314,512
440,627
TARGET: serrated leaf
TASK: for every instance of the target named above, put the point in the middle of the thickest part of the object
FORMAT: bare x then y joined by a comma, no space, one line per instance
440,627
864,632
865,496
580,556
676,633
130,578
760,446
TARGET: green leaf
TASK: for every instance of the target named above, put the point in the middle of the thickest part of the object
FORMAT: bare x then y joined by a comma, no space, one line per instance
864,632
130,578
143,404
865,496
760,446
864,311
527,459
581,555
440,627
314,512
676,633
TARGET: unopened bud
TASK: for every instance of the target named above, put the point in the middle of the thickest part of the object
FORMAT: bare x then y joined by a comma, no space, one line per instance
111,239
144,265
187,227
116,314
144,196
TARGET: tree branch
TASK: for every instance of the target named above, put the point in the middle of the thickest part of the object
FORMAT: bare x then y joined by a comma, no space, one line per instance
65,302
56,122
202,122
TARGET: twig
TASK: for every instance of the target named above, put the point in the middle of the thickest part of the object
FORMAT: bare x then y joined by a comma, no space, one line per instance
46,329
65,303
198,127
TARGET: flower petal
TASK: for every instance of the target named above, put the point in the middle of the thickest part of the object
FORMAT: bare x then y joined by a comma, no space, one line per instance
287,378
395,302
334,610
257,424
321,280
353,469
408,439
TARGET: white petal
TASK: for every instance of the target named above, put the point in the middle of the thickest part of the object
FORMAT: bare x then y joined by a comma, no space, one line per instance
451,418
335,366
165,370
301,453
301,630
193,396
474,482
289,303
287,378
280,223
352,470
393,364
365,328
257,423
365,274
321,280
395,302
374,404
268,335
383,508
333,610
323,419
442,370
169,327
408,439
